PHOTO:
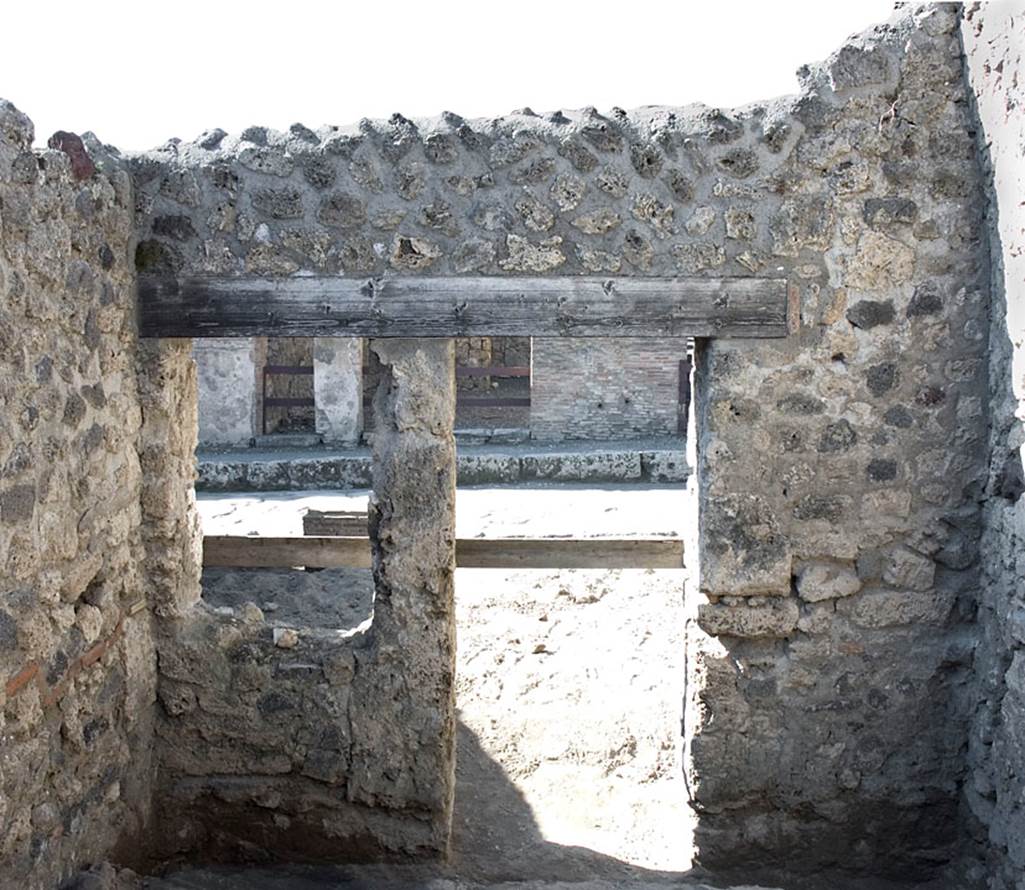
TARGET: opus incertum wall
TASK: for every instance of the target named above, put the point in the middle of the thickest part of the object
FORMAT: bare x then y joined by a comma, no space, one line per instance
994,38
840,470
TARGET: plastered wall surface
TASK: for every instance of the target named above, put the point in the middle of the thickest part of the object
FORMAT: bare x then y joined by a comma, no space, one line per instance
229,389
338,388
77,662
994,40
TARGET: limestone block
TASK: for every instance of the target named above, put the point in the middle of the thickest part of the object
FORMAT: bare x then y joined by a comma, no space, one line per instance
743,550
338,388
771,618
227,375
826,580
893,608
908,569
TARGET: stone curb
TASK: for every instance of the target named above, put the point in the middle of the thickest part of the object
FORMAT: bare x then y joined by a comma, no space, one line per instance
228,472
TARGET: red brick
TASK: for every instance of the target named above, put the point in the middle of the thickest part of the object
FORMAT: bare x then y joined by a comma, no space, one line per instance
82,166
21,679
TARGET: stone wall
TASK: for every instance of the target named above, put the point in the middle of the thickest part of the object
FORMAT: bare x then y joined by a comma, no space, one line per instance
840,475
994,39
302,742
837,673
605,389
77,663
840,471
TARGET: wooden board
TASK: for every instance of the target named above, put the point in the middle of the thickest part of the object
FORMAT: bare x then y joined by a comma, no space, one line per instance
569,306
569,553
241,551
491,553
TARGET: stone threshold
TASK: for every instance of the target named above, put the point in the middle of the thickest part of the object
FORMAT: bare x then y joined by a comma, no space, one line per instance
303,469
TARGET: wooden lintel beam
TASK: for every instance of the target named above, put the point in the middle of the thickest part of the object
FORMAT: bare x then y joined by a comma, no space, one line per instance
568,306
492,553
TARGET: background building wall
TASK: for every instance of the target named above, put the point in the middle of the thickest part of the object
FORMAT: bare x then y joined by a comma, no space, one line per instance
604,388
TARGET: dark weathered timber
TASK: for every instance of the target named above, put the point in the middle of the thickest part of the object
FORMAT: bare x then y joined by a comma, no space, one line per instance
237,551
683,401
288,370
488,553
324,306
288,402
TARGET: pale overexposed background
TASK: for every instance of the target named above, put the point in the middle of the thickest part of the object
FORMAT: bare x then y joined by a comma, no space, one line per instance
137,73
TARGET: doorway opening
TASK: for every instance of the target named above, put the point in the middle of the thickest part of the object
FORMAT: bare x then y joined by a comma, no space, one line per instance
569,690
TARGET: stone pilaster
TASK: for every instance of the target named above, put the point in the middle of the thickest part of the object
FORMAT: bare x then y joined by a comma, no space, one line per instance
228,390
338,388
403,695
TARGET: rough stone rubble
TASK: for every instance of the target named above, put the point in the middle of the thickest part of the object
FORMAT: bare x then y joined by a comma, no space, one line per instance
855,689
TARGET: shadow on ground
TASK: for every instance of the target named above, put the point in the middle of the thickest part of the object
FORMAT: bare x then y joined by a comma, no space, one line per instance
495,836
495,839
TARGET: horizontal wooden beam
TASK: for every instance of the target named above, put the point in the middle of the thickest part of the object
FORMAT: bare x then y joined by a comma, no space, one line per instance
247,551
288,370
488,553
570,306
569,553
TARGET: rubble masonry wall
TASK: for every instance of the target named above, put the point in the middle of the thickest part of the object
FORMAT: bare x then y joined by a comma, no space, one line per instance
840,470
994,39
330,743
836,668
77,660
841,473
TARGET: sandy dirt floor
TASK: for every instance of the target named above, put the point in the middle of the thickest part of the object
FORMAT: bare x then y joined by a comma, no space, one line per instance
541,510
570,690
569,683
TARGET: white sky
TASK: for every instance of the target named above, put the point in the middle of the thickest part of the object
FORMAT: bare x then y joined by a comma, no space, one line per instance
139,72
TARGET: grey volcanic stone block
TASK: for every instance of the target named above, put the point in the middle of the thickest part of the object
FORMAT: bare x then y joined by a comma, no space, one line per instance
306,469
